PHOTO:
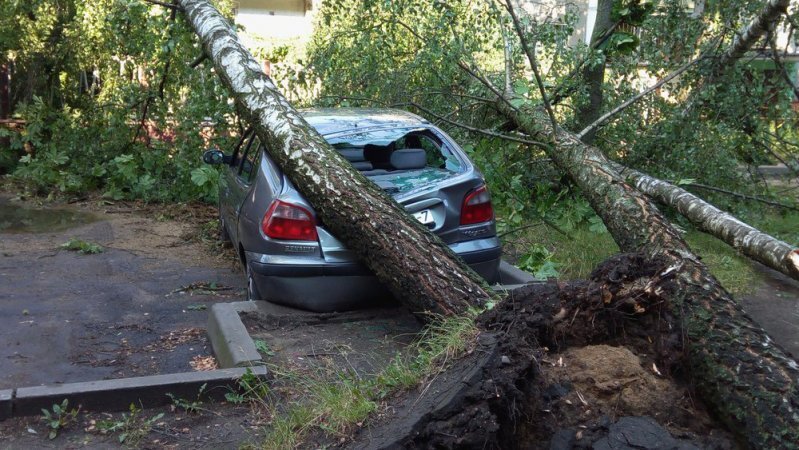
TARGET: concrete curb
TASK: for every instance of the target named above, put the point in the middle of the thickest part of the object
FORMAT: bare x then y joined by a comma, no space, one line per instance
230,340
117,395
6,404
511,276
233,346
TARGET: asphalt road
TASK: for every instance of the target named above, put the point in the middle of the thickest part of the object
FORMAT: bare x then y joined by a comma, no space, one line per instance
67,317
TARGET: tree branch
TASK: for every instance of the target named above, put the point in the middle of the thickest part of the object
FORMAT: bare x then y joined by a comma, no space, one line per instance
637,97
557,95
530,52
775,55
746,38
473,129
166,5
485,82
199,60
743,196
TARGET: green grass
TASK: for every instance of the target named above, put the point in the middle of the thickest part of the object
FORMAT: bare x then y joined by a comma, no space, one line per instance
733,270
576,255
288,429
783,226
334,401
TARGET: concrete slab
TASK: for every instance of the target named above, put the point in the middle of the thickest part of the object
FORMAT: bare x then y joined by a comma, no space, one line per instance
510,275
233,346
6,397
230,340
117,395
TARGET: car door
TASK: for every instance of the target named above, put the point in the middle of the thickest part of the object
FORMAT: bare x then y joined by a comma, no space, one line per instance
242,182
228,186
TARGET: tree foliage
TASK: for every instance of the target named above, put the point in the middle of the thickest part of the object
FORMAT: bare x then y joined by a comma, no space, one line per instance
406,53
110,100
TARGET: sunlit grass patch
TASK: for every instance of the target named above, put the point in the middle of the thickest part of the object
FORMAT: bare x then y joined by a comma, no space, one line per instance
334,401
576,255
733,270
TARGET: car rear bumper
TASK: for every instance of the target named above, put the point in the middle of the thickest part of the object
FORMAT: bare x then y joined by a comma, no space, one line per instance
321,286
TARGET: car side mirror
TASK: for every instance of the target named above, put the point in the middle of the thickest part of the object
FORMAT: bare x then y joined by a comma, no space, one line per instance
215,156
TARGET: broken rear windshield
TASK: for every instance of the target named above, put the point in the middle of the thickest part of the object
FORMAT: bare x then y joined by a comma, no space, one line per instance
371,150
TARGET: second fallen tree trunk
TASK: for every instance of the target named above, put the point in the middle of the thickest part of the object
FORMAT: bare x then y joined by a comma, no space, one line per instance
750,241
747,379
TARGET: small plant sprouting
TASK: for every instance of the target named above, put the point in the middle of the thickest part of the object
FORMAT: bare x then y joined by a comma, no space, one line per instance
59,417
263,348
250,387
131,427
82,247
190,406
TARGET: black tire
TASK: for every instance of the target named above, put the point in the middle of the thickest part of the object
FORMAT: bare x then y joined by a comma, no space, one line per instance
252,288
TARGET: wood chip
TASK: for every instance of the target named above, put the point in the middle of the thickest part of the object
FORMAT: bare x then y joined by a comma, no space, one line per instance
203,363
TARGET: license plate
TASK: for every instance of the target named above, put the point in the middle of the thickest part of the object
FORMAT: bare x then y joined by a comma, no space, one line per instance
426,217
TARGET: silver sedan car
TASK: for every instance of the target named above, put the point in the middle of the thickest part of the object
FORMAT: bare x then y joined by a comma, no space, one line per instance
291,259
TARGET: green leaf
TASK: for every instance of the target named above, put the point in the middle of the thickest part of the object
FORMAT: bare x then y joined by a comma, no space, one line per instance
521,88
547,270
199,176
517,102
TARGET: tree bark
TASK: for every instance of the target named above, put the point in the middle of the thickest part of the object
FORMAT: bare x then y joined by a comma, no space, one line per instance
751,382
748,36
750,241
418,268
594,75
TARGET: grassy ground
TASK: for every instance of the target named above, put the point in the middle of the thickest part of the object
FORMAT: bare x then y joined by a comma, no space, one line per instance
333,402
576,254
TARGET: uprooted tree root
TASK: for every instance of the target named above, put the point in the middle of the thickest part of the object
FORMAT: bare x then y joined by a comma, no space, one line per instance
494,397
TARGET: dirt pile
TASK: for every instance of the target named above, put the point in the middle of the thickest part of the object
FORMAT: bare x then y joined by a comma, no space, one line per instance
592,386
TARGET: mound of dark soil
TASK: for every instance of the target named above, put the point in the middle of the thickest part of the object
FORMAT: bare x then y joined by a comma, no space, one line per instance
516,391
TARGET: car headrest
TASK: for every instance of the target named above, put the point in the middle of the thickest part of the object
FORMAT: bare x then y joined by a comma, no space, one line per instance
362,165
409,158
352,154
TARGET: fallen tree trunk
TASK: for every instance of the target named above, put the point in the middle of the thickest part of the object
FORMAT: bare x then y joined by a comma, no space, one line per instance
724,349
750,241
751,383
418,268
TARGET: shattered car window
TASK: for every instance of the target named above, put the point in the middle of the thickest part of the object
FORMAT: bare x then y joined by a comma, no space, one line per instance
400,160
438,153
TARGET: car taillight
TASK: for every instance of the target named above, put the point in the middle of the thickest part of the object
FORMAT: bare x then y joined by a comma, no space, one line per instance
288,221
477,207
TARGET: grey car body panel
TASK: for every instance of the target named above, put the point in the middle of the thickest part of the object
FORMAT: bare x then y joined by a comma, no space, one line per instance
325,275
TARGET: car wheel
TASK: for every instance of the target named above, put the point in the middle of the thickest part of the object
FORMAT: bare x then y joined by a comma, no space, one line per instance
252,289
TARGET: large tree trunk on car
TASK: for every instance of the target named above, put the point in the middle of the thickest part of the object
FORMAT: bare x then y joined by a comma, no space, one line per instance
750,241
751,382
418,268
